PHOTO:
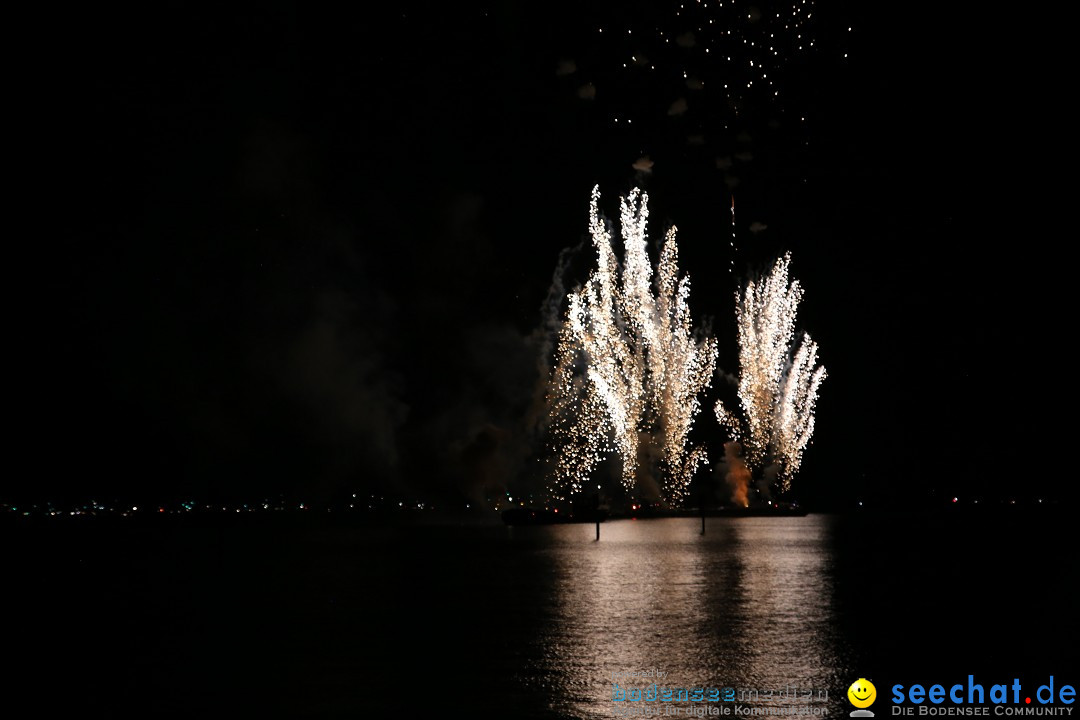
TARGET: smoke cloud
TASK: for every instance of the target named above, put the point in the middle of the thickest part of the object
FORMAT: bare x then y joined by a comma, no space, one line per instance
736,474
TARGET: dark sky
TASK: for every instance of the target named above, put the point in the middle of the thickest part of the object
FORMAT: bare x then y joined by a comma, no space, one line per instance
287,249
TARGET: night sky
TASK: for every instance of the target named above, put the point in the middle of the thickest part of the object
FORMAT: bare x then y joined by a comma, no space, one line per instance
289,250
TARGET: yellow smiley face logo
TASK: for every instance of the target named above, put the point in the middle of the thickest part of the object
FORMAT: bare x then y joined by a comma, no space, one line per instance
862,693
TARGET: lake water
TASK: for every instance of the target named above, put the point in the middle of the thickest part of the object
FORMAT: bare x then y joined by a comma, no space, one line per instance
301,620
747,605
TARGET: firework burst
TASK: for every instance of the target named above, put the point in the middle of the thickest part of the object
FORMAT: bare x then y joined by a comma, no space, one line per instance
779,377
629,366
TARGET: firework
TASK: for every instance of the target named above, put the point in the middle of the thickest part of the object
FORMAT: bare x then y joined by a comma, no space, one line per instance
629,366
779,377
702,62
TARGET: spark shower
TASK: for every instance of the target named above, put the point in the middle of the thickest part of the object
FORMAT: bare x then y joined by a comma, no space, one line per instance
779,379
629,367
630,370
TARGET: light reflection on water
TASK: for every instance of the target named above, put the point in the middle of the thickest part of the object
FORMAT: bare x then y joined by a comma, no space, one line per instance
747,605
339,620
